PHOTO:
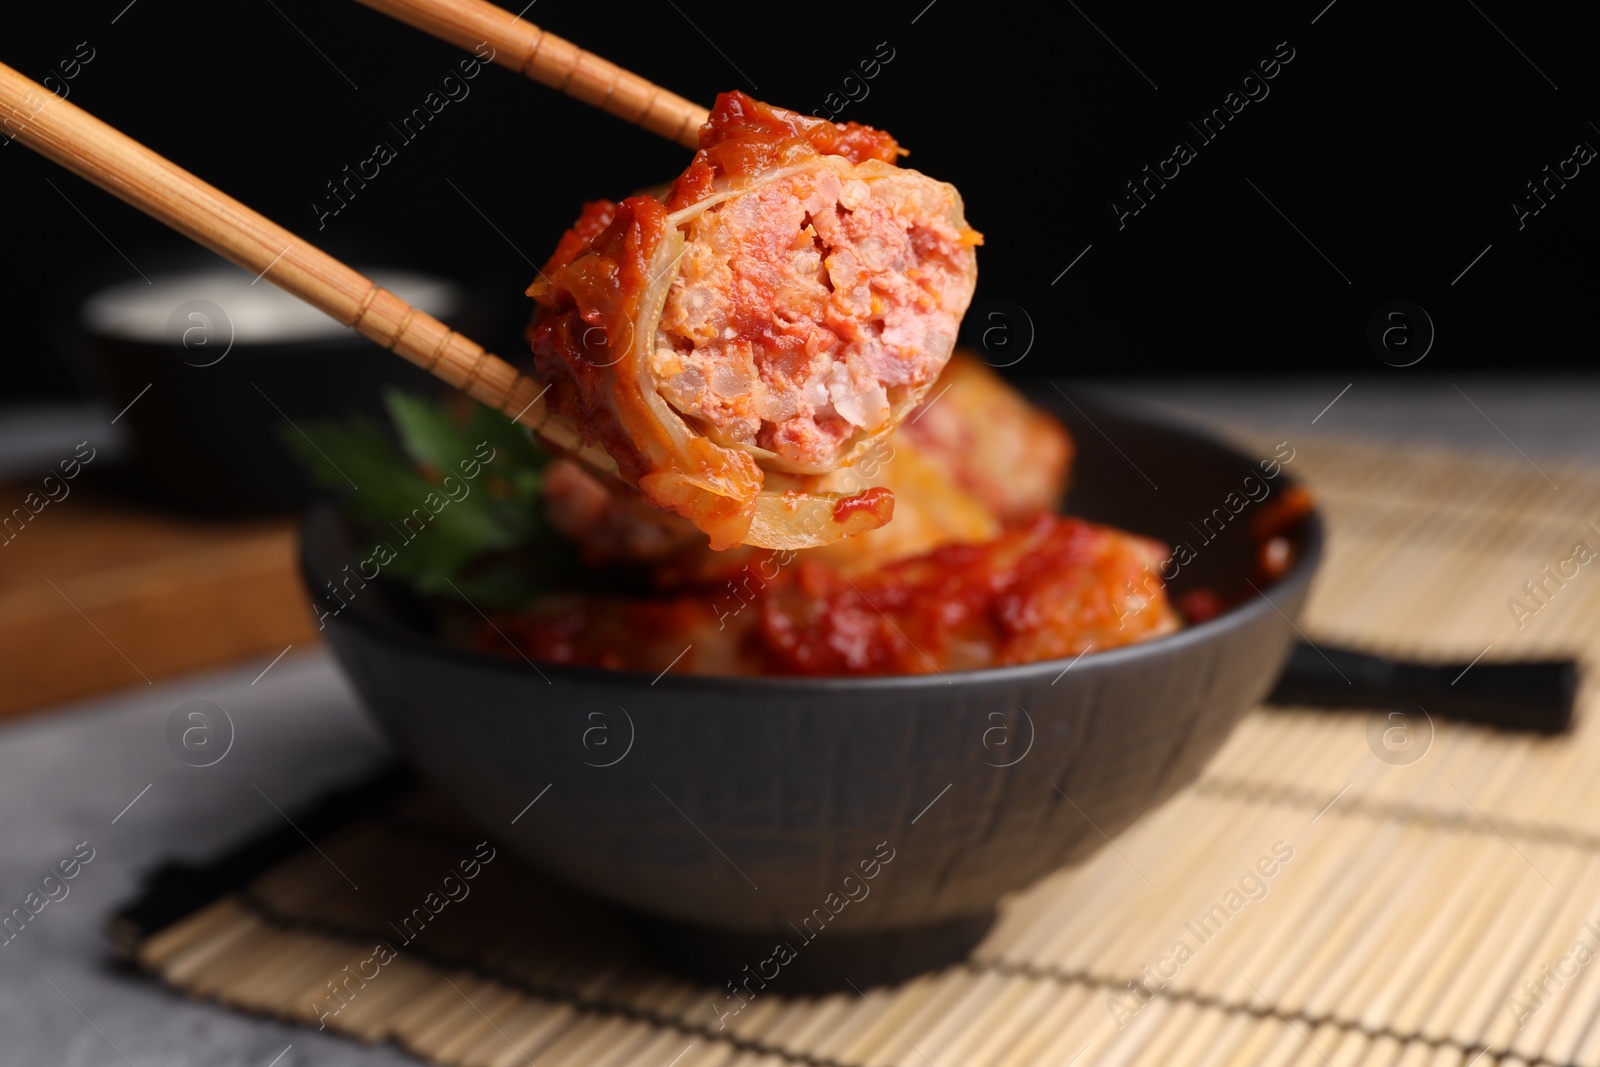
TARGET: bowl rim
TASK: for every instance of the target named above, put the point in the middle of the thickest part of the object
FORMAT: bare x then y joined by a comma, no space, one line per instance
322,514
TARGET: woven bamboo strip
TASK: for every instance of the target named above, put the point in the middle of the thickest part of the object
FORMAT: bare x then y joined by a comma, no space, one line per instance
298,979
1399,1003
1411,873
532,1029
1388,1052
913,1000
373,1020
492,1006
1352,917
1234,1041
1043,1044
1074,1034
1455,1014
190,954
1083,942
1581,1010
1256,828
1556,935
990,1046
204,928
1322,860
1086,935
211,976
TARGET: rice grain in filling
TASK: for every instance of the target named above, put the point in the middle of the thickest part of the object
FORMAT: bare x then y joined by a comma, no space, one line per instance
803,310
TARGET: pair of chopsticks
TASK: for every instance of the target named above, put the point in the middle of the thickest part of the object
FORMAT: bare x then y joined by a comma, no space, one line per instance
102,155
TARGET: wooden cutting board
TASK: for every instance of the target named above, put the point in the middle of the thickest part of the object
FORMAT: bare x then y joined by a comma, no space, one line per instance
98,594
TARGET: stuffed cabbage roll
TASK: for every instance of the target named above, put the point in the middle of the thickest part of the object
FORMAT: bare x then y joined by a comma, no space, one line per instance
786,304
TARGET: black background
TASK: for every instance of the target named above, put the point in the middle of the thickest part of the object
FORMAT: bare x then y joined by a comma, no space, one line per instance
1394,141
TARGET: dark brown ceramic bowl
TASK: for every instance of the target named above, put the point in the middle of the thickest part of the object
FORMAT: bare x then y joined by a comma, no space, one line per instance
872,824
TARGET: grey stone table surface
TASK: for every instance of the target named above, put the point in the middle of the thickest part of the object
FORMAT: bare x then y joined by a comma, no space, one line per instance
69,776
100,772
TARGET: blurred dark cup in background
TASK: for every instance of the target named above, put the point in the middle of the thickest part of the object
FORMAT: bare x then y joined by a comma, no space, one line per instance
207,369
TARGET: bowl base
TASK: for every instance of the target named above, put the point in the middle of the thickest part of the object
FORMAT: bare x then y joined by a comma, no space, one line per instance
826,964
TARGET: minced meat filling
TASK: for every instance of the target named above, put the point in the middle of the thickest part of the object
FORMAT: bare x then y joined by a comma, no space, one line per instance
801,310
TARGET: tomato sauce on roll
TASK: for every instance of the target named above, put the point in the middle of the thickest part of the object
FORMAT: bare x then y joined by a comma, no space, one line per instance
1045,589
978,570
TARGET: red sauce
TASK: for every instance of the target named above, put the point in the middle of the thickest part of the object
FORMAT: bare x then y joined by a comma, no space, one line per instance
744,137
878,500
1283,514
1201,605
1049,588
1273,531
589,293
596,216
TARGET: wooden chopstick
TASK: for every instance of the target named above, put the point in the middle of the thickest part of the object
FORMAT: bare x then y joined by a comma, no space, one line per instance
70,136
551,61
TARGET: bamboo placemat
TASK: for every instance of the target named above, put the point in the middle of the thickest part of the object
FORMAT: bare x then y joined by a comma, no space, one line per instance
1332,907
